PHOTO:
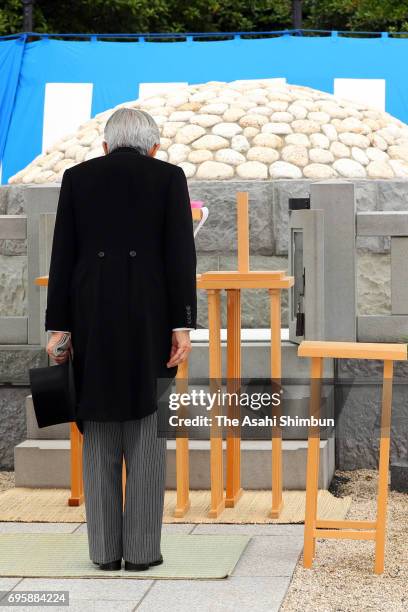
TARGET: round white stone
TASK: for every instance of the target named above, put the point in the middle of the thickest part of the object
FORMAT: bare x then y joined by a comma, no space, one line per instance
305,126
329,130
262,154
88,137
181,115
351,124
319,116
319,140
276,128
163,155
380,169
178,153
398,152
229,156
319,171
211,142
339,149
298,139
252,170
214,108
321,156
281,169
268,140
254,120
278,105
281,116
189,133
233,114
354,140
169,130
349,168
214,170
205,120
359,155
379,142
400,167
250,132
240,143
188,169
374,154
295,154
200,156
228,130
298,111
165,143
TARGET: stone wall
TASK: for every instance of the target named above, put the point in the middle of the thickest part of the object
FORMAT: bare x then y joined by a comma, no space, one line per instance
216,250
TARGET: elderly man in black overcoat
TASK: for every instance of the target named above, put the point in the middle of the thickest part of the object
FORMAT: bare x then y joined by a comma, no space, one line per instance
122,281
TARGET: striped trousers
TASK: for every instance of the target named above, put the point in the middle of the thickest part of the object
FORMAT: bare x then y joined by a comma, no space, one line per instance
133,532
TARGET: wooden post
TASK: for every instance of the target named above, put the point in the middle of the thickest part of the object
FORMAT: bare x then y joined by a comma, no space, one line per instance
312,469
233,476
215,374
383,467
276,374
77,489
182,456
243,231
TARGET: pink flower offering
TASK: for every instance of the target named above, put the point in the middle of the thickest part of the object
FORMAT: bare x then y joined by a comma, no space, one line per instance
196,203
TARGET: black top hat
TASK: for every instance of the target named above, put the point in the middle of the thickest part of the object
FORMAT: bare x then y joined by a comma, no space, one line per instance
53,393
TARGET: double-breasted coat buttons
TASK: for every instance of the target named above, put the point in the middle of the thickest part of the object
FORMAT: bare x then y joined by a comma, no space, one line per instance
132,253
101,254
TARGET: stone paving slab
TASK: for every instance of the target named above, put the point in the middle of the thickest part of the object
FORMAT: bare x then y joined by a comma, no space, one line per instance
259,581
236,593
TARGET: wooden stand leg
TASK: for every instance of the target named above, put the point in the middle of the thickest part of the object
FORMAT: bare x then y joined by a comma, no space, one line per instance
312,470
276,373
182,456
216,458
77,488
383,467
233,474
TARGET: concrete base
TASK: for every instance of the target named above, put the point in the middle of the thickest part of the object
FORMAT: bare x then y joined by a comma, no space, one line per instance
46,463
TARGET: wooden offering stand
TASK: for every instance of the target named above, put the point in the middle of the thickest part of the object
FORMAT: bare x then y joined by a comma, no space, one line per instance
232,282
348,529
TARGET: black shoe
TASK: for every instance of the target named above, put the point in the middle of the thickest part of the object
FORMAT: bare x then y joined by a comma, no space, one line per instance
111,566
141,567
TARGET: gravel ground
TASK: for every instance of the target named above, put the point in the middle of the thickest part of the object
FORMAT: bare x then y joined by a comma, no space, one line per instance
6,480
342,577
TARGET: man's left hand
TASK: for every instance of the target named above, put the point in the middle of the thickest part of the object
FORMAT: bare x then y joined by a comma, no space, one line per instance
180,348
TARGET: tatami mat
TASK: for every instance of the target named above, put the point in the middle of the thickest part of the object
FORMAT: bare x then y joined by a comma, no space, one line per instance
50,505
66,555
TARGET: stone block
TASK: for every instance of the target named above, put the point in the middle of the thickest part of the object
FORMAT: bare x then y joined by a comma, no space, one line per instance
382,328
373,283
399,476
219,234
16,360
392,195
13,286
13,330
399,275
12,423
282,191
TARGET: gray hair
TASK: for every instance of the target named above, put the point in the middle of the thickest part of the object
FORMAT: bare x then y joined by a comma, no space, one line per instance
131,127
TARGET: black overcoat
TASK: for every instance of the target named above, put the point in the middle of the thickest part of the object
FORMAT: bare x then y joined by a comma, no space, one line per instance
122,277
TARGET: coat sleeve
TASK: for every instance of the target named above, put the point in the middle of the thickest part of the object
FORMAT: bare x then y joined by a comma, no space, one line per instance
63,255
180,253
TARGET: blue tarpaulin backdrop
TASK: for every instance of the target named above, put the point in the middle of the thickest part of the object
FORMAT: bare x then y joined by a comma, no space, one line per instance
117,68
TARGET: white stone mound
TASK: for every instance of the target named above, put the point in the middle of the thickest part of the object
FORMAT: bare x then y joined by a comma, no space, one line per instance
255,130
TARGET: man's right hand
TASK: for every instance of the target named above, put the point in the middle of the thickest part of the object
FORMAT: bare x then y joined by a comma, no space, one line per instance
55,338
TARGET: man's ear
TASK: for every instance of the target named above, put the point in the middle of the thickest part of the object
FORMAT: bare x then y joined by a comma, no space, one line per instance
105,147
152,152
